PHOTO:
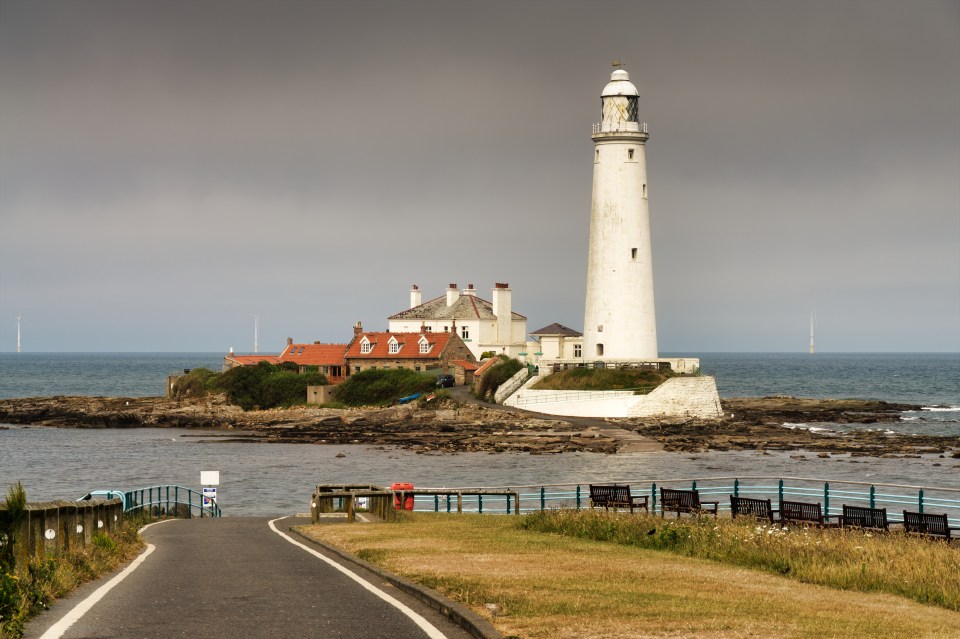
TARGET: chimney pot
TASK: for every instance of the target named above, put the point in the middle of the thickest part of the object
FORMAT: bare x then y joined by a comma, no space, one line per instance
289,341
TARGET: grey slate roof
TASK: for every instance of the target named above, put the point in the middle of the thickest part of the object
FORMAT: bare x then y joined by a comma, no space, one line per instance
557,329
467,307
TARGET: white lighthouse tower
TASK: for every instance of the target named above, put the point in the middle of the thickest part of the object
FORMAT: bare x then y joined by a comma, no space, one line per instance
619,319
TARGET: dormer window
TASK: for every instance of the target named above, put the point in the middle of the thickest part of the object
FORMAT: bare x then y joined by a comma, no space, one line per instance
365,346
393,345
425,346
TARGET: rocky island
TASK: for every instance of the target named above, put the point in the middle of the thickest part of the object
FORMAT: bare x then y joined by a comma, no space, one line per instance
457,426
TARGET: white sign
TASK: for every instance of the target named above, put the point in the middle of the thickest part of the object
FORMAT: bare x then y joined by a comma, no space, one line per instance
209,477
209,496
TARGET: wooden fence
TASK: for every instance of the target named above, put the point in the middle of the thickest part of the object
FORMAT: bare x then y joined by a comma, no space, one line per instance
50,528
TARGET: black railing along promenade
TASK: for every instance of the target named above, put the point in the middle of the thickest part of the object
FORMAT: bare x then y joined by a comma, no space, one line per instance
833,494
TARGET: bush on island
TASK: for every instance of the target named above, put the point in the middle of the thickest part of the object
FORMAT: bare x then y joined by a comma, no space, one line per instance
380,387
265,385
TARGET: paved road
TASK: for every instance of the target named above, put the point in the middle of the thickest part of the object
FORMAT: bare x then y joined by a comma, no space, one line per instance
236,578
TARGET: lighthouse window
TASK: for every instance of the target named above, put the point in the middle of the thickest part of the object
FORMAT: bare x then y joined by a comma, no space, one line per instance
629,154
599,350
644,191
598,155
632,109
633,253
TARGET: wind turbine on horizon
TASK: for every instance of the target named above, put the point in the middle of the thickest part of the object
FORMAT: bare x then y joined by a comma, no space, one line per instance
811,333
18,333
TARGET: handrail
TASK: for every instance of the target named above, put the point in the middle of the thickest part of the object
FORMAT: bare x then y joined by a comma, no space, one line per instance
134,500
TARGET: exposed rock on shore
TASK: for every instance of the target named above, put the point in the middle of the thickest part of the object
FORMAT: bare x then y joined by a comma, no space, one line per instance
450,428
748,424
783,423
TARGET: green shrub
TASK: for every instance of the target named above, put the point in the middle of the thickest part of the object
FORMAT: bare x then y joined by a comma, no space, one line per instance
193,384
487,354
379,387
497,375
265,385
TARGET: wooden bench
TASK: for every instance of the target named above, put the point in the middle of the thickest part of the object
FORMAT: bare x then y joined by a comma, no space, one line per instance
865,517
928,524
801,512
616,496
750,507
685,501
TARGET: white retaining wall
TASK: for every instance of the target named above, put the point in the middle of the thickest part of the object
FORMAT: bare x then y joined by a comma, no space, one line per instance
676,397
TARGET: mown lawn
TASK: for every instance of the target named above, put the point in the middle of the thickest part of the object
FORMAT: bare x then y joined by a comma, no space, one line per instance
551,585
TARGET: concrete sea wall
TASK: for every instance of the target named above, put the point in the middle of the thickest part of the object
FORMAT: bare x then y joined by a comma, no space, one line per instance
677,397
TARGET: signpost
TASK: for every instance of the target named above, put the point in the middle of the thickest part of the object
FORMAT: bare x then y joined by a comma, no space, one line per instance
209,479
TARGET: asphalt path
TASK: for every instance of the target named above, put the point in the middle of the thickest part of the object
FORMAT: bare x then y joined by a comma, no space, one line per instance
234,578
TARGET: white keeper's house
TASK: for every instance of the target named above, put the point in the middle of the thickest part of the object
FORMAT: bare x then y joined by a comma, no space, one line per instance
482,325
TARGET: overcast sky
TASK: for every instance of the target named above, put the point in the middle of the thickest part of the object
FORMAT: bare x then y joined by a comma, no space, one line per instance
168,170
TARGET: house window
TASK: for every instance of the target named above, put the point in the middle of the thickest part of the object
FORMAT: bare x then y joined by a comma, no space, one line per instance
356,369
464,332
417,368
446,329
365,346
424,346
394,346
577,350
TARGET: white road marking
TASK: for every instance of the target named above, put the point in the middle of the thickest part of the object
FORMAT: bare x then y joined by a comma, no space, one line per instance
73,615
422,623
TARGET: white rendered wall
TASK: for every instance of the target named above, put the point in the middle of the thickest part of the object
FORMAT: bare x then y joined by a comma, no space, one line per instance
676,397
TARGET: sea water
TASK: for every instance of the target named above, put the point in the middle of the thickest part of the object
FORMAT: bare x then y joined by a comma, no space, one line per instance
268,479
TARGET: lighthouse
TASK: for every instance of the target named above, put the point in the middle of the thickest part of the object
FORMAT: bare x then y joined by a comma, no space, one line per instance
619,319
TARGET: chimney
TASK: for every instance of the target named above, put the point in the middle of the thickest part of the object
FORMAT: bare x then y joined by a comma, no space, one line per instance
289,341
357,329
415,298
470,290
453,294
502,308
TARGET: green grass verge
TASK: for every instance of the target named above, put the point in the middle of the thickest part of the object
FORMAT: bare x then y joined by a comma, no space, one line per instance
589,379
29,591
924,570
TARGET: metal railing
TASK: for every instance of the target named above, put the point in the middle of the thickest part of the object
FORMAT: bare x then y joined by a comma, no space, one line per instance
832,494
543,396
177,501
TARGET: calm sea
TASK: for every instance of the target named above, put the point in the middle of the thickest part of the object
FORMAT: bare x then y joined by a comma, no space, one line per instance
277,479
